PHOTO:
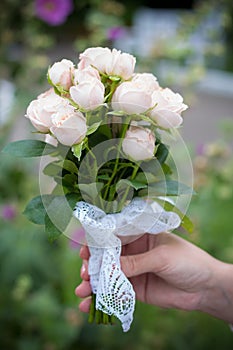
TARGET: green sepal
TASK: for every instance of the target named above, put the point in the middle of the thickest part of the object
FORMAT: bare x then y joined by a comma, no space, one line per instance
91,129
114,78
77,149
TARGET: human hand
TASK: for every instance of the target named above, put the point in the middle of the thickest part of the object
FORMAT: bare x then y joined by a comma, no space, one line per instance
169,272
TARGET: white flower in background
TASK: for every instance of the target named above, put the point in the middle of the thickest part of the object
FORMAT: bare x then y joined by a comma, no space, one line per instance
139,143
69,126
61,74
147,81
109,62
40,110
168,108
85,74
89,94
131,98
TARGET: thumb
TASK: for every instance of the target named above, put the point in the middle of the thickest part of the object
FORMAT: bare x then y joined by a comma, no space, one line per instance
133,265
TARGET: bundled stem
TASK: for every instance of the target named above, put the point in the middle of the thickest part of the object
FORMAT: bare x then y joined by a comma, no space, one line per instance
98,316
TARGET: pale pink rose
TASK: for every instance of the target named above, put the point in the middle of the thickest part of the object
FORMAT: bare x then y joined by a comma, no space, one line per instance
88,94
168,108
69,126
85,74
139,143
121,64
40,110
147,81
51,140
131,98
96,57
109,62
61,74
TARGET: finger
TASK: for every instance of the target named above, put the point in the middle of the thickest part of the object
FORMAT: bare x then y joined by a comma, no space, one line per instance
83,290
85,304
151,261
84,252
84,271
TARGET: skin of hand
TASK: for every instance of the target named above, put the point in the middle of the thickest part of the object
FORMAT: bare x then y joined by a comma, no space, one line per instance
170,272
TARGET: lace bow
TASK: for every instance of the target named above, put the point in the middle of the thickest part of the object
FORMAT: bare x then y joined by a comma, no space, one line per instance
114,293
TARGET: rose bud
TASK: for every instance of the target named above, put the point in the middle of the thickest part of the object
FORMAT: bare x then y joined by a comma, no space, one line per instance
139,143
131,98
168,109
87,73
69,126
88,94
147,81
61,74
40,110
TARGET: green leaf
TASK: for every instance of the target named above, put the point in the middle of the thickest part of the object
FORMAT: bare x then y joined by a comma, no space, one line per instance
162,153
59,214
103,177
29,148
186,223
69,180
52,169
69,166
51,230
77,149
166,169
72,199
35,210
167,188
91,190
105,130
93,128
140,177
132,183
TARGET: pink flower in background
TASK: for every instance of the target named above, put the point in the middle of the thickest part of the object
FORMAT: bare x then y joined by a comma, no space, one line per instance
77,238
8,212
54,12
115,33
200,150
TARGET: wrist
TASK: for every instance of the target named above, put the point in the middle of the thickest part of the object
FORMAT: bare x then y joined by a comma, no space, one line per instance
217,298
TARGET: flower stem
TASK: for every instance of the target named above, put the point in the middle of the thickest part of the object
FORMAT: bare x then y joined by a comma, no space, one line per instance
99,316
123,200
124,129
91,317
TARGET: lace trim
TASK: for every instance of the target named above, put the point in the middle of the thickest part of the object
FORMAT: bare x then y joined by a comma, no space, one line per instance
114,293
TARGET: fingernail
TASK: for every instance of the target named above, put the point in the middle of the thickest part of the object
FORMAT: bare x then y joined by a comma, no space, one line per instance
83,268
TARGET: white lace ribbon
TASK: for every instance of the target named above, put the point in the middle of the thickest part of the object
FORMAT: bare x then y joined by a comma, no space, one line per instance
114,293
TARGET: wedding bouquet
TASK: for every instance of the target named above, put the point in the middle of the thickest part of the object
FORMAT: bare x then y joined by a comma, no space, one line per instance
104,128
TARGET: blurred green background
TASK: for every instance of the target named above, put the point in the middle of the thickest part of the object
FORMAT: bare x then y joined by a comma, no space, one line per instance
38,308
